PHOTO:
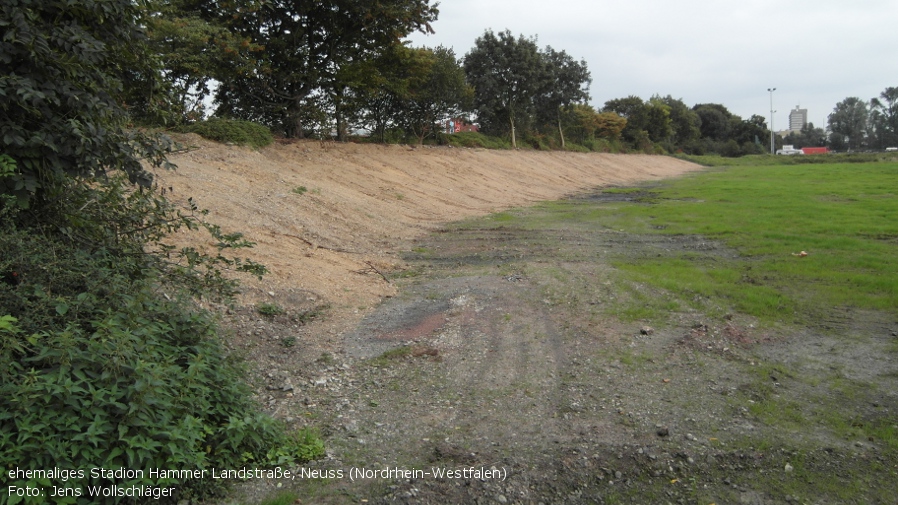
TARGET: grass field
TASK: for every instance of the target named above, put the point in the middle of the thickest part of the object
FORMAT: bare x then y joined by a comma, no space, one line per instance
844,216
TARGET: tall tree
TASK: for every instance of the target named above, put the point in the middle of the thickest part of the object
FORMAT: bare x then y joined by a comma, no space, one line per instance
193,50
306,46
715,121
506,73
849,119
884,117
647,122
684,122
380,93
658,122
585,124
566,83
749,131
633,109
441,95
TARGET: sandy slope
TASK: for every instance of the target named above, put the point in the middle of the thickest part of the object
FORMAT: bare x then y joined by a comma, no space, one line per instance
363,202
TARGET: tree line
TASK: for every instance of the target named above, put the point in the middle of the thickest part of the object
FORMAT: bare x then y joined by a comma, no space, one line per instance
856,124
340,67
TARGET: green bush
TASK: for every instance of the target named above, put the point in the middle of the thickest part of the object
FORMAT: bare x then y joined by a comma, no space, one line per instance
269,309
231,130
105,359
477,139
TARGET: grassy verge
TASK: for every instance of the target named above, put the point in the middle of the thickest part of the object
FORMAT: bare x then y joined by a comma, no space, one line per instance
757,221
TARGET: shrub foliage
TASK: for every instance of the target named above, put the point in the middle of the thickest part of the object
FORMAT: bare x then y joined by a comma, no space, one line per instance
233,131
106,359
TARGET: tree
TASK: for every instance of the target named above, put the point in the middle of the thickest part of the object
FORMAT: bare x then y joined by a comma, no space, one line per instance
751,131
809,136
658,122
715,121
849,119
440,95
609,125
633,110
307,44
506,74
192,50
647,122
63,65
566,83
584,124
884,118
684,122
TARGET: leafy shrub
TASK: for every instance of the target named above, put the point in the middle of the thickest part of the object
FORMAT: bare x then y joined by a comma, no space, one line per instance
106,361
477,139
570,146
269,309
231,130
603,146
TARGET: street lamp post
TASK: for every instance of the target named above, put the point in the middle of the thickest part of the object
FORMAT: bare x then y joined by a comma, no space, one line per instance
772,145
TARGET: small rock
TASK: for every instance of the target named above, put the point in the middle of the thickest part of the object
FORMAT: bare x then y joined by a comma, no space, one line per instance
646,330
788,468
502,499
618,475
663,432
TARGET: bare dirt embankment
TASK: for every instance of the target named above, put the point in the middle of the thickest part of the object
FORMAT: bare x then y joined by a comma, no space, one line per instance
331,222
320,212
491,346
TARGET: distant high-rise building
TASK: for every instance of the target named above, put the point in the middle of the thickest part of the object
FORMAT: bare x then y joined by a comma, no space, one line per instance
798,119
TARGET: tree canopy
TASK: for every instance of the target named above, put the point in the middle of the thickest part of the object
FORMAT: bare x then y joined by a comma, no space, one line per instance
307,45
506,73
849,119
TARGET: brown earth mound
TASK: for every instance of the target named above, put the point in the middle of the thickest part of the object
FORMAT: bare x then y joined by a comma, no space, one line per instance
327,218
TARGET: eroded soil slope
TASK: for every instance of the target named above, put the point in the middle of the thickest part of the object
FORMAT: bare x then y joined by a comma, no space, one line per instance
320,212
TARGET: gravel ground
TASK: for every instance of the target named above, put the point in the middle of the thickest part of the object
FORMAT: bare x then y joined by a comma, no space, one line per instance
497,360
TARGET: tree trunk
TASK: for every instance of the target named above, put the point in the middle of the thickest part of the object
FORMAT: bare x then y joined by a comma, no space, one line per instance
338,114
560,132
514,144
296,117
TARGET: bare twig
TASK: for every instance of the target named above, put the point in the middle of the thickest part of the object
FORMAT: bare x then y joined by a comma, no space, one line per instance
372,269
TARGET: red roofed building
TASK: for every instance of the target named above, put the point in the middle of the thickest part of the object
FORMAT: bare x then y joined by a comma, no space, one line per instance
458,126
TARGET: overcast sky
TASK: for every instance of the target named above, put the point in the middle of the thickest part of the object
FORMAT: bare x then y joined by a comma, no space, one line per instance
815,53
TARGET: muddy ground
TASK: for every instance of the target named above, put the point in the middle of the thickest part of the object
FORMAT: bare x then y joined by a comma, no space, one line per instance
499,356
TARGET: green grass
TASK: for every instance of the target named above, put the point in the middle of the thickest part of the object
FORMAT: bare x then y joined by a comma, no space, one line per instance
768,160
269,309
844,215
